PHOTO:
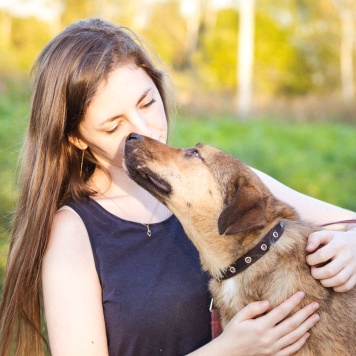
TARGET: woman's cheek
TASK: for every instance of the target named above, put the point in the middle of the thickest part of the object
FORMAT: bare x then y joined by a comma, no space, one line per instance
120,153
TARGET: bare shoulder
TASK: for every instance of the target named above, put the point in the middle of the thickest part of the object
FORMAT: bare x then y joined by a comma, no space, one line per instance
68,233
72,290
68,240
68,254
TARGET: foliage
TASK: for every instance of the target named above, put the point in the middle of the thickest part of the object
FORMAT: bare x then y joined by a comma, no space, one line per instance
297,42
312,29
280,66
27,37
167,33
215,60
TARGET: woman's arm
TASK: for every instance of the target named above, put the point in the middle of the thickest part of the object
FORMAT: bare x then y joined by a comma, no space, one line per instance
269,334
337,243
309,208
71,290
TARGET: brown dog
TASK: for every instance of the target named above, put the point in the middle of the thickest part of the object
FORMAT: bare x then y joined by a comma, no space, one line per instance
252,244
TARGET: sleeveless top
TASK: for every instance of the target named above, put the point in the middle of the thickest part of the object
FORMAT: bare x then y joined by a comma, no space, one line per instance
155,295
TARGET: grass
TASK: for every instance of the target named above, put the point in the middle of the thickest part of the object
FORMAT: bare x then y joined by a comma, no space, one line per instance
318,159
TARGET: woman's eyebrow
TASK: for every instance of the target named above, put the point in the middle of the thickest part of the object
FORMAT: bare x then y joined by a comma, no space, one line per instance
110,119
144,95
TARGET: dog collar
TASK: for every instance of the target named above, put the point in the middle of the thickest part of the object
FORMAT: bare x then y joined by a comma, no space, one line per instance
255,253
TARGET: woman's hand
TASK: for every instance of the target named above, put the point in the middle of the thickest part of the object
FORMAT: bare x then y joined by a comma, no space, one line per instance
270,334
339,248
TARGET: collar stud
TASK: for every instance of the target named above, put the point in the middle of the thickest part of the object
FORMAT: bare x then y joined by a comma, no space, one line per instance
257,252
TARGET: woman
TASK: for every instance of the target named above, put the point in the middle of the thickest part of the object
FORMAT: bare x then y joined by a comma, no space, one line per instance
116,273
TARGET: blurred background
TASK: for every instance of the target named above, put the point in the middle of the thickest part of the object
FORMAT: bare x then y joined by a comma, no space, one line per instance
272,82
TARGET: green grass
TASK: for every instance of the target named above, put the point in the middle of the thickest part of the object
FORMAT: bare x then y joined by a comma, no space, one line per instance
318,159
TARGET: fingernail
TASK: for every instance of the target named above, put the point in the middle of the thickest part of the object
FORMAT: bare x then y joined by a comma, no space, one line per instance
301,294
316,317
264,304
315,306
310,245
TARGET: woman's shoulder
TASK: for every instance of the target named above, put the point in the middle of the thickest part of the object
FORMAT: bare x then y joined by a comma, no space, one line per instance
71,287
68,237
67,222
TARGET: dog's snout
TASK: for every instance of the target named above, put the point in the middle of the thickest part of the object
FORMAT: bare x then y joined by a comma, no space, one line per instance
133,136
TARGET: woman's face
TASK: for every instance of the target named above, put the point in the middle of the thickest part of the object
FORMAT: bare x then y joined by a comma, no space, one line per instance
127,102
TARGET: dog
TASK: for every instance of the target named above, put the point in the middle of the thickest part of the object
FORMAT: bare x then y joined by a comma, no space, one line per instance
251,243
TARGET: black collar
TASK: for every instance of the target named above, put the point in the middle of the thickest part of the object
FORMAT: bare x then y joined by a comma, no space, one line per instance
254,254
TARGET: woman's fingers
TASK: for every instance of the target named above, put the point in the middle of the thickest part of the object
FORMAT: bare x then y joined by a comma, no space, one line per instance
295,327
273,333
252,310
340,253
347,286
318,238
279,313
291,349
324,253
332,276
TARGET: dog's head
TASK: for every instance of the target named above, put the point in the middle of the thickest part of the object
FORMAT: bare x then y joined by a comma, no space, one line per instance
202,182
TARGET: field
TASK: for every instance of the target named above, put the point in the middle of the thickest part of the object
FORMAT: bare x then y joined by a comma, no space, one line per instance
318,159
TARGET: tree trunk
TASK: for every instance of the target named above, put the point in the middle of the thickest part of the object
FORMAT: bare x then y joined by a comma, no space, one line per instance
346,55
5,29
192,11
245,57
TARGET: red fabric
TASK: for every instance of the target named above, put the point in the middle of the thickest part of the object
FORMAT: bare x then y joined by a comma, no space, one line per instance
216,328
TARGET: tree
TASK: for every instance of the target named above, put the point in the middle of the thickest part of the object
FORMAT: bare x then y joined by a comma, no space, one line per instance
193,13
5,28
245,56
347,12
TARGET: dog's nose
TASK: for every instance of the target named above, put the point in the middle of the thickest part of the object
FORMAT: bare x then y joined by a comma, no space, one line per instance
133,136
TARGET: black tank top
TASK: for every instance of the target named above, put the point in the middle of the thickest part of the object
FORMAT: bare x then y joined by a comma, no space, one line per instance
155,295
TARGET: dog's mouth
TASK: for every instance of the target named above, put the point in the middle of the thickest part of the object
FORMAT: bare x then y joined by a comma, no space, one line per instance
135,164
148,180
159,183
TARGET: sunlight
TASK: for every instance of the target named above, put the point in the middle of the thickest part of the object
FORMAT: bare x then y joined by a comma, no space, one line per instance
43,9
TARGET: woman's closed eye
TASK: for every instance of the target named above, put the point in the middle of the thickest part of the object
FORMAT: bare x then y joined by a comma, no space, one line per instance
149,103
112,130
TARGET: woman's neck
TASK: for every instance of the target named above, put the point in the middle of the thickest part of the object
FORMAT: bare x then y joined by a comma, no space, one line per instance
122,197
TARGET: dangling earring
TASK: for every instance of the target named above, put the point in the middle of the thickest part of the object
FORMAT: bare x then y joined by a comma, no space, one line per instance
81,163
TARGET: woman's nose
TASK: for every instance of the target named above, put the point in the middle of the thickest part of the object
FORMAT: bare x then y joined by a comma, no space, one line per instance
140,126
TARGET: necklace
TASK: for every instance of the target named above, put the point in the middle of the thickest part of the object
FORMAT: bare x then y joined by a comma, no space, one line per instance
149,232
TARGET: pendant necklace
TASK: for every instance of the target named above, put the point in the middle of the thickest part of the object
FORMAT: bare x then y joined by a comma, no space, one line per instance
148,232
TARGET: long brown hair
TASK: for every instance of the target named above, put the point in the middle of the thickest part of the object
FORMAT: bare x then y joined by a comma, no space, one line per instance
66,76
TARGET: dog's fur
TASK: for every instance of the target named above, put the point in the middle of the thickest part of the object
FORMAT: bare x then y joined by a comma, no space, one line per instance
225,210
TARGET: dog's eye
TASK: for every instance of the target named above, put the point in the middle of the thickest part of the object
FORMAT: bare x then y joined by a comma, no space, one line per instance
192,152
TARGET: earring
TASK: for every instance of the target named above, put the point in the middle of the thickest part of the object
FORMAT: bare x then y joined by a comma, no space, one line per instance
81,163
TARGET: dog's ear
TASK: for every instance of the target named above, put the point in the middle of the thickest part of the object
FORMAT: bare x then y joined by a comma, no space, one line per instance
245,210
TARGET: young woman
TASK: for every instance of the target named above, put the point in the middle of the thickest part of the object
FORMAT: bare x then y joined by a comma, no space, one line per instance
110,266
